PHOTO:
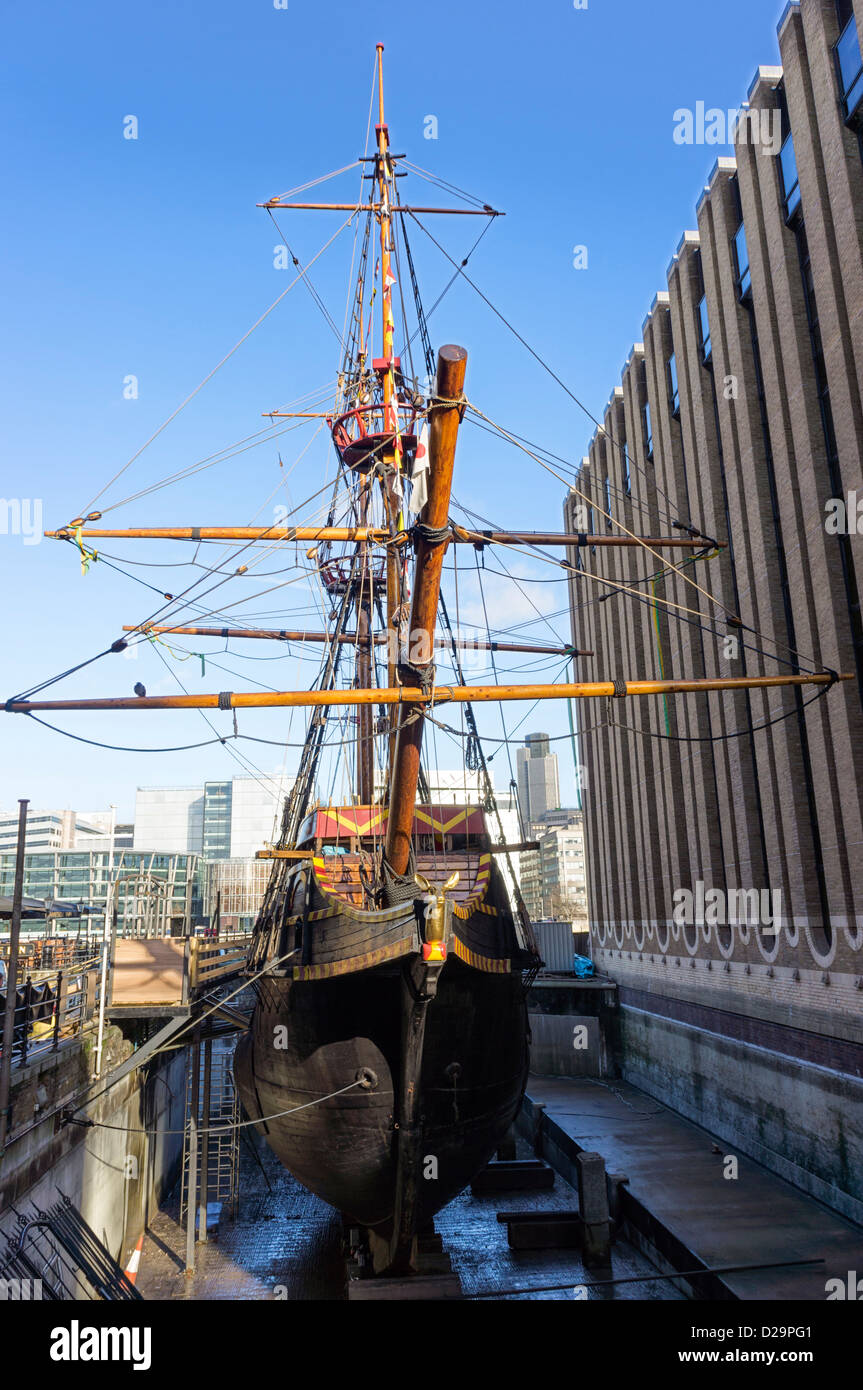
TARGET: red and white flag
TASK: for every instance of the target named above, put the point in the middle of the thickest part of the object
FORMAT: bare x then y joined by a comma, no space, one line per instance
389,280
419,476
393,483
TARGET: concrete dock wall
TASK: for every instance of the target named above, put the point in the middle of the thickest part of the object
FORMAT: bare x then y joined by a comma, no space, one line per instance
115,1176
567,1045
802,1121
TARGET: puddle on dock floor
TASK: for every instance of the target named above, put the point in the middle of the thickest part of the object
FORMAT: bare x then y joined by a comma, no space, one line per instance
287,1244
481,1257
283,1239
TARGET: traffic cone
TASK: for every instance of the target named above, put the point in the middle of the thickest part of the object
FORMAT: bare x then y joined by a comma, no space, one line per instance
131,1270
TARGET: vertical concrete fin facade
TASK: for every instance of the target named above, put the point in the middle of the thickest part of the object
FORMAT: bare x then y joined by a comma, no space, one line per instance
723,833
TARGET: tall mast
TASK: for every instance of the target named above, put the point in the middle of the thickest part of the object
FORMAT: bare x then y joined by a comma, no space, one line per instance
364,660
445,417
365,583
391,456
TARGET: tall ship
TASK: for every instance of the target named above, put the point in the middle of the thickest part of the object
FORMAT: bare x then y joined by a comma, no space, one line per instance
396,951
388,1049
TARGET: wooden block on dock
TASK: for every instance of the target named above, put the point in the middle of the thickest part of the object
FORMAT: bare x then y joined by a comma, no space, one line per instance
413,1288
513,1175
543,1230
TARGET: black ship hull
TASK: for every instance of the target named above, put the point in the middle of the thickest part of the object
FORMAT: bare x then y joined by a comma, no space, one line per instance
471,1080
387,1052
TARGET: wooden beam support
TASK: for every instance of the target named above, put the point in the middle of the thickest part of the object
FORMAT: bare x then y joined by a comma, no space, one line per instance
376,207
283,854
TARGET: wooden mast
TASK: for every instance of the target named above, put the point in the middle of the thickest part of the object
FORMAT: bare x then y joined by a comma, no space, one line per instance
444,420
391,456
364,585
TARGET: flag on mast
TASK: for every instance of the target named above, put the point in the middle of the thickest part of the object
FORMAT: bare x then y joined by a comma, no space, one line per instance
419,475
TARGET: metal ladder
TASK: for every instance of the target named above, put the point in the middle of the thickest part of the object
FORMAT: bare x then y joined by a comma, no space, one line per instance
212,1094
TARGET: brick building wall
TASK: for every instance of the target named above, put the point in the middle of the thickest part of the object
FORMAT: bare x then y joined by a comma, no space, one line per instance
764,428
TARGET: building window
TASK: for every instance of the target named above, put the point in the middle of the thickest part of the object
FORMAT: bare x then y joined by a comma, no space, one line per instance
741,257
627,471
648,429
704,331
849,70
788,175
673,388
608,503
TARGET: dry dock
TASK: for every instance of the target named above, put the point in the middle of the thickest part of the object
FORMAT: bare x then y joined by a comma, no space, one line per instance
287,1245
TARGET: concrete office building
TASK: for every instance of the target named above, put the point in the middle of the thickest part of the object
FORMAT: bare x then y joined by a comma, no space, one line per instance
154,892
56,829
538,785
741,413
220,820
553,878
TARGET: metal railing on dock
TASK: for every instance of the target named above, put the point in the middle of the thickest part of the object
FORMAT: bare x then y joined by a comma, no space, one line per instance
145,974
52,952
54,1254
51,1006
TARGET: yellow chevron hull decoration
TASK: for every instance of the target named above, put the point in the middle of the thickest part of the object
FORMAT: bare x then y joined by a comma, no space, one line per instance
480,888
479,962
354,963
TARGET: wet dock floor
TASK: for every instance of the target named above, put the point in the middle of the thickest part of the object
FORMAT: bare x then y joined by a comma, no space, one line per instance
287,1245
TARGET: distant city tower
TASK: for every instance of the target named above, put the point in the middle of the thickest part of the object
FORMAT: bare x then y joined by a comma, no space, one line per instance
538,786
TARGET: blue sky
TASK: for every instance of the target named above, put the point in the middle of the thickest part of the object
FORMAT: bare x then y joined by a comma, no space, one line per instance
148,257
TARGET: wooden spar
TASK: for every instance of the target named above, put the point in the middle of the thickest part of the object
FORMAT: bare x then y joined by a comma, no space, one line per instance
283,854
376,207
376,534
412,695
444,420
578,538
228,533
349,638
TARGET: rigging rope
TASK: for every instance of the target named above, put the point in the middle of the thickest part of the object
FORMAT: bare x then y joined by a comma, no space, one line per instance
218,365
733,617
545,366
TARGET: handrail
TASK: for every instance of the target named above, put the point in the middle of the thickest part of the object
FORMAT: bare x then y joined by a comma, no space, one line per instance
50,1006
54,1005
